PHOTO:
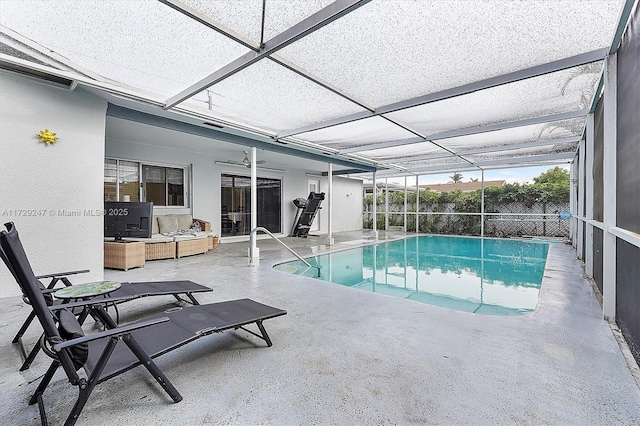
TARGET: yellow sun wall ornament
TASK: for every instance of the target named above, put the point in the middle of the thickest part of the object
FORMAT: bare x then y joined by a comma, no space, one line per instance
48,137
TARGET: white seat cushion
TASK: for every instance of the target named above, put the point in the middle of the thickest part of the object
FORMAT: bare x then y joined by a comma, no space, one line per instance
190,237
155,238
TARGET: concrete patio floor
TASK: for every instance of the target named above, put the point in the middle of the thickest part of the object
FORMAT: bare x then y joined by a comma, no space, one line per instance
347,357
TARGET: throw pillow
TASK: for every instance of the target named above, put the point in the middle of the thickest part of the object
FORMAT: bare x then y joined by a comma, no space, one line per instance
167,224
184,221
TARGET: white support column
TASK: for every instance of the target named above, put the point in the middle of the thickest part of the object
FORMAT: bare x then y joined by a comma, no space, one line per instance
609,188
581,194
330,200
386,204
588,210
482,209
374,234
405,204
572,203
254,253
417,205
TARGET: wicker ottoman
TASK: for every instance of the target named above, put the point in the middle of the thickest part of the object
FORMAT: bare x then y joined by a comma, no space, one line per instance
161,250
189,246
123,255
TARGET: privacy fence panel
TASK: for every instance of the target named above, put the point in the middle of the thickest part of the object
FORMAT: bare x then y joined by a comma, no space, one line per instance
515,219
628,184
598,205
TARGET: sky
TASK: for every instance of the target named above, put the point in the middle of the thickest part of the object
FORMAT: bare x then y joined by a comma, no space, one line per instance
519,175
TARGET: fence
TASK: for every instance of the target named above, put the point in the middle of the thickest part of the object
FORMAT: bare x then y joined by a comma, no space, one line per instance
514,219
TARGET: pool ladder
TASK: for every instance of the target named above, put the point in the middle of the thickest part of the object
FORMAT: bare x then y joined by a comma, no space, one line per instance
266,231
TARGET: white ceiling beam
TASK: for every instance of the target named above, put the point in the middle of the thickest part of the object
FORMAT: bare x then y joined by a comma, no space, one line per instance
491,149
506,162
309,76
535,144
500,80
305,27
247,42
538,70
526,160
471,131
209,22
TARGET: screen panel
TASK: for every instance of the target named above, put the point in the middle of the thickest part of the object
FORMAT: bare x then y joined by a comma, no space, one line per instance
404,152
554,93
144,44
598,156
357,133
273,98
516,135
245,16
514,154
628,129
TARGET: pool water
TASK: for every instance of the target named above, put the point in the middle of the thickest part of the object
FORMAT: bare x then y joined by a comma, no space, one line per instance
479,275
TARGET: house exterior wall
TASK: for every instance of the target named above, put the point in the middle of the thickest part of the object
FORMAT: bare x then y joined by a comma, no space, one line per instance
206,183
48,190
347,205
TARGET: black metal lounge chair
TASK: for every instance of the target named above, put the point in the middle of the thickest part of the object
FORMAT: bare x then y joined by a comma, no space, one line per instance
109,353
126,292
307,213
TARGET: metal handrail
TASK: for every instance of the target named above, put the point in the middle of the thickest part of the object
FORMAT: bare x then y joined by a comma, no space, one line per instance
266,231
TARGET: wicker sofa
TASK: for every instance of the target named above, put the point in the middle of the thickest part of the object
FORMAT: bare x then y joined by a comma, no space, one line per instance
164,245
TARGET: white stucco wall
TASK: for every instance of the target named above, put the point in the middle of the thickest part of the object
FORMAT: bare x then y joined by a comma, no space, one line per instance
206,181
44,188
347,204
347,201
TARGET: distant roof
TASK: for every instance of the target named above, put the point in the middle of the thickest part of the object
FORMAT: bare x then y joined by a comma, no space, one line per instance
462,186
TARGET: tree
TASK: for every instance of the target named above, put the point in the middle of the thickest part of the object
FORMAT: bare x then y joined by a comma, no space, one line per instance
457,177
557,175
473,180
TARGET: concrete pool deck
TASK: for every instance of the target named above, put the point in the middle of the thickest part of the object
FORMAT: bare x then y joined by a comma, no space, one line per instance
344,356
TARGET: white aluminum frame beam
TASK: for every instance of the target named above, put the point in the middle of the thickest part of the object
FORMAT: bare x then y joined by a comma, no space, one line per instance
588,188
581,195
573,61
254,205
330,202
525,160
471,131
517,162
501,148
572,204
609,172
303,28
207,21
375,209
247,42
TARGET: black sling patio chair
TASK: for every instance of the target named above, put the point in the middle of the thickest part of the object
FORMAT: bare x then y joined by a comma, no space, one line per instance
107,354
126,292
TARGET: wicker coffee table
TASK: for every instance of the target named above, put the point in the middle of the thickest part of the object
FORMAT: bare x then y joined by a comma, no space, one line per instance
123,255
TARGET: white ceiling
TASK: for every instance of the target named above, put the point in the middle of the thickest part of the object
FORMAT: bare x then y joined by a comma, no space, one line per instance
130,131
405,86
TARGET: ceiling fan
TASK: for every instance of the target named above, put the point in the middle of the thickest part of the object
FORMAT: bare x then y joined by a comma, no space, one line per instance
245,162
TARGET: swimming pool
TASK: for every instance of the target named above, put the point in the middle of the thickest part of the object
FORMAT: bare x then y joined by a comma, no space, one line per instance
479,275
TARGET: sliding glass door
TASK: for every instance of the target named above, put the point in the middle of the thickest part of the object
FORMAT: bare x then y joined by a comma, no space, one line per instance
235,204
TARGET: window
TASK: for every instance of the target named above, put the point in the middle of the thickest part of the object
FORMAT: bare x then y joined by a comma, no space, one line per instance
133,181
